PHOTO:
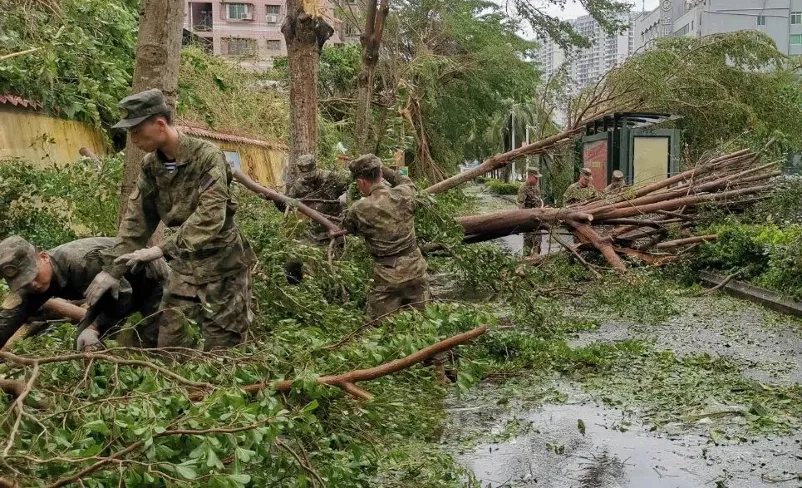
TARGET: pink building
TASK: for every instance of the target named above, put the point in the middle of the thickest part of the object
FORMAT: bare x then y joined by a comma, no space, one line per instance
248,30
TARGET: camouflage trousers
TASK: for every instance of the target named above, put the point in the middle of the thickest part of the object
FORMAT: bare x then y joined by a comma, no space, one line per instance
386,298
532,243
221,309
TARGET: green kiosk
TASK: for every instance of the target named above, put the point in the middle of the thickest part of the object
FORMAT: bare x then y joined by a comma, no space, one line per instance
632,143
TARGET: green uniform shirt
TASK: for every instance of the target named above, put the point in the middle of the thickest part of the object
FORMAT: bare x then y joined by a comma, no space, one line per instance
576,194
529,196
323,185
75,264
386,220
202,244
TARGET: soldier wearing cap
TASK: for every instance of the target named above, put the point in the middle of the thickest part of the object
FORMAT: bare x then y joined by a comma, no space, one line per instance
65,272
582,190
384,217
185,184
618,182
529,197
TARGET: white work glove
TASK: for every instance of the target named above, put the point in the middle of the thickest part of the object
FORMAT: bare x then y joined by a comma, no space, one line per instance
102,283
88,340
343,199
139,257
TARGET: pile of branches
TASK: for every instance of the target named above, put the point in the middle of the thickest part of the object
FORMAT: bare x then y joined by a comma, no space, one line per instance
652,223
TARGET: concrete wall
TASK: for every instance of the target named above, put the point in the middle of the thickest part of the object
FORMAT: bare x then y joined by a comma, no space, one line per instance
44,140
733,15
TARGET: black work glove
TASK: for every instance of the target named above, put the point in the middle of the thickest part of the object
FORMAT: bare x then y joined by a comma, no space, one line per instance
294,272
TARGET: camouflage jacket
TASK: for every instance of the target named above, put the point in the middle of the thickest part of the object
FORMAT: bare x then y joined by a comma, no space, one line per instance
323,185
75,264
386,220
529,196
202,243
576,194
614,186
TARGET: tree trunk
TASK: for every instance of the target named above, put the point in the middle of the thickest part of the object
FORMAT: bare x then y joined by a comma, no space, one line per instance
158,59
305,31
371,42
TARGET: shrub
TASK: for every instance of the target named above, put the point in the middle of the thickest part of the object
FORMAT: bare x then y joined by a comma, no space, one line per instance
497,187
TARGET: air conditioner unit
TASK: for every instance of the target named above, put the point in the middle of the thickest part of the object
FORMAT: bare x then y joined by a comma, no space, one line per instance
248,16
272,19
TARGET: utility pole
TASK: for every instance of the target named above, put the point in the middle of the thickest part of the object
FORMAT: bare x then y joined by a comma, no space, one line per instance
512,142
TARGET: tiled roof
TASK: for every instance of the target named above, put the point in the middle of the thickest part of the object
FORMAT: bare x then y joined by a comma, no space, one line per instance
199,131
19,102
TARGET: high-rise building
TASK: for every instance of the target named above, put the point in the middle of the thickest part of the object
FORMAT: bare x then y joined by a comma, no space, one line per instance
779,19
248,30
585,66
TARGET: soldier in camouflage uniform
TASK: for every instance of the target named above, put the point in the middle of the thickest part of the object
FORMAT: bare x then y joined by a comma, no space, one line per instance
582,190
314,184
184,183
618,182
529,197
65,272
384,217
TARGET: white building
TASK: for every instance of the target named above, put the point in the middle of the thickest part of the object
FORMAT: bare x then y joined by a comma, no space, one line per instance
586,66
779,19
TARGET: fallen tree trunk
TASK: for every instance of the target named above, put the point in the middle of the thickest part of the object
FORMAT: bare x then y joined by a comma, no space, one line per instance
500,160
636,219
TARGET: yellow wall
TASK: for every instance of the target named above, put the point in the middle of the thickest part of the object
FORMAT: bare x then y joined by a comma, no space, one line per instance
45,140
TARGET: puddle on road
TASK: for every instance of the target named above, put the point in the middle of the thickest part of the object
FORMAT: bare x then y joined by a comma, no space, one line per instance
611,454
616,451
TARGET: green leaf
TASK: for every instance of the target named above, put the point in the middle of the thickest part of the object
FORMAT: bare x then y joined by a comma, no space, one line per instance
186,471
240,479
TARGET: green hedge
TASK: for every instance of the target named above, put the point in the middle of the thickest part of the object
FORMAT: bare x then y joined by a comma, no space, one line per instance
498,187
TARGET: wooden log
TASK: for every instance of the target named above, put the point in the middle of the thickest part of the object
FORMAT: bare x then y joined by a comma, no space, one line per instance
676,203
64,309
247,182
686,241
604,245
500,160
514,221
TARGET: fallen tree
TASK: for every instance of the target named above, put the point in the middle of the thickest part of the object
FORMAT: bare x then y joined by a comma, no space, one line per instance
642,222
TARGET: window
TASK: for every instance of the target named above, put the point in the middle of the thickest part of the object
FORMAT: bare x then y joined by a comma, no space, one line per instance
272,14
239,11
796,39
761,20
238,46
232,157
685,29
796,17
273,45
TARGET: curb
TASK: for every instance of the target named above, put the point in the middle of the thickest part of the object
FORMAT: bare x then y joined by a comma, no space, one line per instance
768,299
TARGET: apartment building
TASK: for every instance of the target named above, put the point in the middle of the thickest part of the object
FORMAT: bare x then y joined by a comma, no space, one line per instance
779,19
248,31
586,66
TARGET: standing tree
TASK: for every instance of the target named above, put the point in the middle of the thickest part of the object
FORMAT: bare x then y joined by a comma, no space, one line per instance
370,39
158,58
305,31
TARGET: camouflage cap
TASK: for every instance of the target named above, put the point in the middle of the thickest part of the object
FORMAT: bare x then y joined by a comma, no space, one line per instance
306,163
586,171
139,106
364,164
618,174
533,172
17,262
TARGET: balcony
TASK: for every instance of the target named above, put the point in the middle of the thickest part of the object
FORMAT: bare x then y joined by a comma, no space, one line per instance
200,17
